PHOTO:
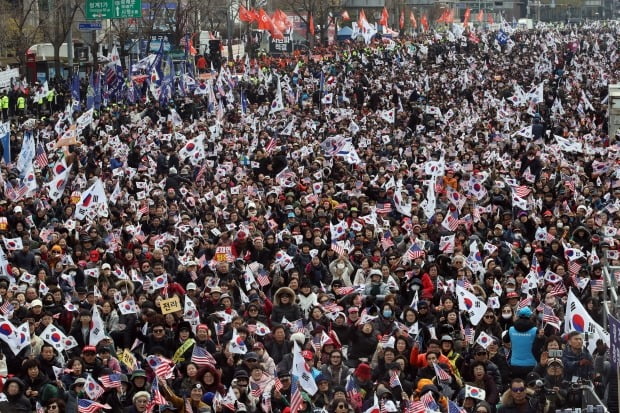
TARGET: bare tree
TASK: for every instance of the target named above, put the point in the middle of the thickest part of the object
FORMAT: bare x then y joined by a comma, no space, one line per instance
55,22
124,31
320,11
20,27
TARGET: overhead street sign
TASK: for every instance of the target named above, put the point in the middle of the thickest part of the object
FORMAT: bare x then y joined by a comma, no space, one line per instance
89,26
113,9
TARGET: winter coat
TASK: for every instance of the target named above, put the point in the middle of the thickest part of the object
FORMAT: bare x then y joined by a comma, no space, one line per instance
290,311
19,402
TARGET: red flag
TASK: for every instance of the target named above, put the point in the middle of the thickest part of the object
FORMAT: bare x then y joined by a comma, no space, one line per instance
361,19
245,15
401,20
480,16
443,17
383,21
311,25
490,18
345,16
412,20
424,21
450,16
264,21
466,16
281,21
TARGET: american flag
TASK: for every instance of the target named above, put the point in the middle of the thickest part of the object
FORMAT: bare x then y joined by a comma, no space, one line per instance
558,289
266,403
394,379
255,390
384,208
262,278
202,357
110,75
156,395
219,328
469,335
429,401
111,381
330,307
454,408
344,290
465,283
413,407
277,385
353,393
570,184
271,145
549,316
40,156
339,249
144,209
296,399
596,285
201,172
386,240
160,365
525,302
297,326
415,252
6,308
441,373
573,267
89,406
522,191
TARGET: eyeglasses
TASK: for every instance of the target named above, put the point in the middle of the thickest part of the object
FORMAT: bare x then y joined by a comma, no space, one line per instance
518,389
158,330
251,360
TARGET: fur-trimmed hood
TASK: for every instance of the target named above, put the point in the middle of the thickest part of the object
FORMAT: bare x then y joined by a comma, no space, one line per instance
281,291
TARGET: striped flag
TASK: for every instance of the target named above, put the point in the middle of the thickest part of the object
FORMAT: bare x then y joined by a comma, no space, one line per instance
89,406
441,373
429,401
549,316
339,249
255,390
202,357
596,285
386,240
277,385
394,379
40,156
525,302
573,267
384,208
339,290
271,145
296,399
160,365
522,191
111,381
415,252
262,278
156,395
558,289
6,307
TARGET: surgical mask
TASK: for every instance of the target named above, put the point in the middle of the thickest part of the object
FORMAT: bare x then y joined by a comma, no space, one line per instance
560,225
527,250
506,316
509,290
387,313
340,266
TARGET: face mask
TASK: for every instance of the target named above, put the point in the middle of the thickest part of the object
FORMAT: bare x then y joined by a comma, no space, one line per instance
527,250
506,316
340,266
387,313
509,290
560,225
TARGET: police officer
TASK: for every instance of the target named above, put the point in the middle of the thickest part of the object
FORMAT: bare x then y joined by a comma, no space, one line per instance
4,105
20,106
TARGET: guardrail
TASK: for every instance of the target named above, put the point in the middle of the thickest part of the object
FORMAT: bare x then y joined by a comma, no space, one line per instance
610,294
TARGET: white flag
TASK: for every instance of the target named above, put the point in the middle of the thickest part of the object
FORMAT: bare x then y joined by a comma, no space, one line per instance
302,372
237,345
91,201
472,304
578,319
54,336
484,339
97,332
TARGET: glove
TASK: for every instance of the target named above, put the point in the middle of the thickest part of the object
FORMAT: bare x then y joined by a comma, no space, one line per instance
585,362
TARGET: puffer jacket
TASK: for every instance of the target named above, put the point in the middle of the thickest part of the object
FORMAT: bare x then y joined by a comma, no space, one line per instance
17,403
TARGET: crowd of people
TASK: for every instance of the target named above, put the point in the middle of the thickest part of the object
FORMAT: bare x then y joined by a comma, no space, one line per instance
409,225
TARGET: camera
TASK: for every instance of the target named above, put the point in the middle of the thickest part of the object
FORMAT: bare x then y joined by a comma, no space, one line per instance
555,354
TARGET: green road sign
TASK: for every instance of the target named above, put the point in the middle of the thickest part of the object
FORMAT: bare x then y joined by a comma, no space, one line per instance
113,9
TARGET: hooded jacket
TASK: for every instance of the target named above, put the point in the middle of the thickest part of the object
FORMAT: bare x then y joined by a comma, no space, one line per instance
17,403
290,311
508,404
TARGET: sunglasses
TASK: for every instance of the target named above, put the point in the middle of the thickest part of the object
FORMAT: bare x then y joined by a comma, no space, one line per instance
488,316
158,330
518,389
52,407
341,406
481,353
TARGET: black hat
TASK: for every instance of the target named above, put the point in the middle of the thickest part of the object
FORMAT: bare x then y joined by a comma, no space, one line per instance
284,373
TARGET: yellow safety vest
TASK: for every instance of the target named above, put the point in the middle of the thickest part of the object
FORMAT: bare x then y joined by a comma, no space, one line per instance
5,102
21,102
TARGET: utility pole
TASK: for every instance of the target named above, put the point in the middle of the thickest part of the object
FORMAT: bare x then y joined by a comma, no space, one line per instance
69,41
229,31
